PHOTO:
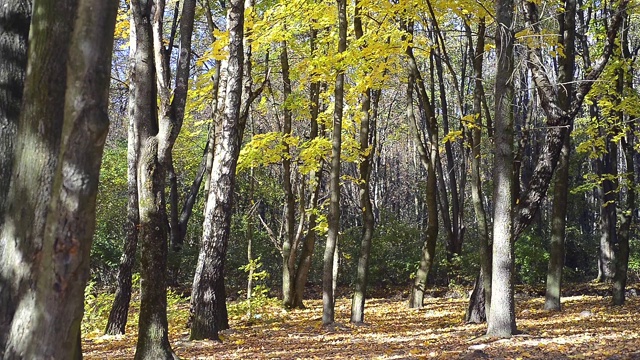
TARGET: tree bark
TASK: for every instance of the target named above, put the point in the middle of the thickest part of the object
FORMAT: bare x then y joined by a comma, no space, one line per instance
216,228
63,127
483,284
367,144
328,301
561,187
288,251
428,157
15,19
502,319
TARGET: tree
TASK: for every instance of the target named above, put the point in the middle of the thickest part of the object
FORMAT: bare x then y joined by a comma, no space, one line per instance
217,222
566,33
502,316
328,301
50,215
428,150
367,142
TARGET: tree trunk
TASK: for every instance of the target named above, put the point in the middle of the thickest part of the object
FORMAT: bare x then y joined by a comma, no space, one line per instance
308,244
626,220
561,187
607,191
367,127
477,311
59,143
289,205
483,283
15,19
428,162
625,214
209,276
120,308
502,319
333,218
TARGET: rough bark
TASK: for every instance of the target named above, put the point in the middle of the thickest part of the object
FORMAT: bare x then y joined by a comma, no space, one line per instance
333,217
502,319
217,222
15,19
63,127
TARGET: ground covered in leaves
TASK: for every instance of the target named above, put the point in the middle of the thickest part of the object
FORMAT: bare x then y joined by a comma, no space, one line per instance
587,328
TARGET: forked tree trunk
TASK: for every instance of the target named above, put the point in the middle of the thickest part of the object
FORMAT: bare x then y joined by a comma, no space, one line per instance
63,127
480,300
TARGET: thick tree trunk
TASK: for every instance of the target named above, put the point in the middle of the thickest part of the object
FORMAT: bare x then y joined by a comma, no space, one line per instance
502,319
58,174
333,218
209,276
15,18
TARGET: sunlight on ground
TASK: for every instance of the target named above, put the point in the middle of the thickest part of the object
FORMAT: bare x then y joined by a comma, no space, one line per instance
392,331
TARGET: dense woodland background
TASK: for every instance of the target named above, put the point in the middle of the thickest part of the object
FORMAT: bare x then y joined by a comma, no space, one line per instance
287,149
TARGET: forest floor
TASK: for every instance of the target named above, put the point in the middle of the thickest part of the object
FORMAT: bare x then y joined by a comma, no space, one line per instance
587,328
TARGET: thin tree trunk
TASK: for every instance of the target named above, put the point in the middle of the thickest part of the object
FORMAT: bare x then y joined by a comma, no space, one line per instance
308,245
502,319
289,205
367,127
482,288
216,228
328,301
416,297
120,309
561,187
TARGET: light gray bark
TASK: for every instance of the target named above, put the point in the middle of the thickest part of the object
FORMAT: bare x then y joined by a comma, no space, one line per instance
502,319
217,222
